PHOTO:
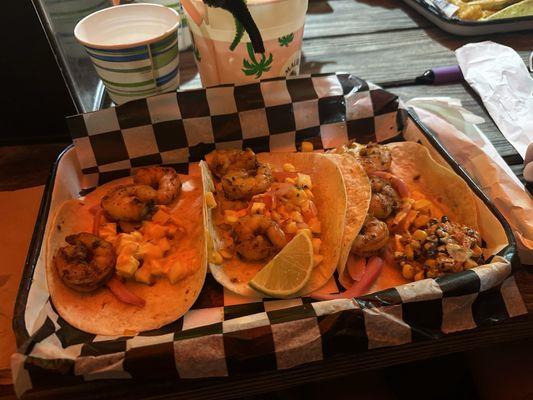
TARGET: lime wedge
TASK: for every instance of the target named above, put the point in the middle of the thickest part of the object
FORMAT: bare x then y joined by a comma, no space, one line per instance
288,271
516,10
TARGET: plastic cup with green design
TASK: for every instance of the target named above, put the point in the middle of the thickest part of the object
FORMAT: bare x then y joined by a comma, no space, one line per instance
134,49
224,51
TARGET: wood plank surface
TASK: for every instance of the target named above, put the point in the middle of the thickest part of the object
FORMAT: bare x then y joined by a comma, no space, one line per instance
348,17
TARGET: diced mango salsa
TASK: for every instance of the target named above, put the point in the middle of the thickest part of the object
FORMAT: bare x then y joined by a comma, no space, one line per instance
154,231
127,265
230,217
176,272
149,250
143,275
156,267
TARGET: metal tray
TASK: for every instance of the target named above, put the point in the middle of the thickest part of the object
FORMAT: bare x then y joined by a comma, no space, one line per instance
265,381
470,28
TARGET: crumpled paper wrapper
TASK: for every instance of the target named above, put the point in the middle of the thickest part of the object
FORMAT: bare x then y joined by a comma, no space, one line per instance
456,129
500,77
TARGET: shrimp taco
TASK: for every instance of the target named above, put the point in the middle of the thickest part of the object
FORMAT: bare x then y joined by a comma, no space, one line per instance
259,203
420,220
131,255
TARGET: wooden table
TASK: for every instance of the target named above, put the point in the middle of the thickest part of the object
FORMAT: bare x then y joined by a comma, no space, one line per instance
379,40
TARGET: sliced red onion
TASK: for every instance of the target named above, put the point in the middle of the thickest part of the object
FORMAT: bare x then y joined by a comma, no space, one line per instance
122,293
356,266
373,269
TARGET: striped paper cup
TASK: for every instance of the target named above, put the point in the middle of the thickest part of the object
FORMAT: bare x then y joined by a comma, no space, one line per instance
134,49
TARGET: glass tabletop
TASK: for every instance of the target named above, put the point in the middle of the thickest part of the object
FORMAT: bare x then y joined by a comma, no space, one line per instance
59,17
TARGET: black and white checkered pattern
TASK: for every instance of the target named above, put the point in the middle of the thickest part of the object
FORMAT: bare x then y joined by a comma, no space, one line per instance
224,334
273,115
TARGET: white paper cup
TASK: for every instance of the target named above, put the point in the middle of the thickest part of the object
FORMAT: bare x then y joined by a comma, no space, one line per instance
134,49
224,58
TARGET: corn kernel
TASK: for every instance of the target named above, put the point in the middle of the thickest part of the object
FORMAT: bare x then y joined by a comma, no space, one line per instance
470,264
420,235
226,254
210,201
421,204
316,245
421,220
476,251
215,258
230,217
288,167
290,180
304,181
307,147
317,259
408,271
291,227
419,276
296,216
309,194
258,208
430,262
315,226
409,252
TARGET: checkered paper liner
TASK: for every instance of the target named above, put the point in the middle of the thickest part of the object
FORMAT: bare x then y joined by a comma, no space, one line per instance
225,334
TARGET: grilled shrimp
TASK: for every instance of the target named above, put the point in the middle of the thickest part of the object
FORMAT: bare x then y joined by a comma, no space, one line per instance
373,236
256,237
384,198
242,184
222,161
375,157
87,263
131,203
164,180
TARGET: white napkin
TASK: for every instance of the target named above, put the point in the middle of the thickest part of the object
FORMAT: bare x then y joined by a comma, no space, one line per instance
500,77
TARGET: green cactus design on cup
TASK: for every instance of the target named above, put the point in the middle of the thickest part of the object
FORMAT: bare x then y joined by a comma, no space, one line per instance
285,40
254,67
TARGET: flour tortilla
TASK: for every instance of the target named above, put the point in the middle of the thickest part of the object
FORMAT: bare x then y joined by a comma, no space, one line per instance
358,194
99,312
412,163
330,200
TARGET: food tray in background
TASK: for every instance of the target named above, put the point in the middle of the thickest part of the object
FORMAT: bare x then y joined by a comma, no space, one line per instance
470,28
347,333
